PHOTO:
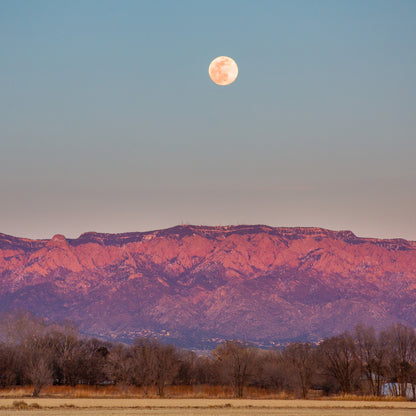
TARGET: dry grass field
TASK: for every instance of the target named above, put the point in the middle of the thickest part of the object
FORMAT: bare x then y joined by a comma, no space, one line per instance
181,401
172,392
199,391
204,407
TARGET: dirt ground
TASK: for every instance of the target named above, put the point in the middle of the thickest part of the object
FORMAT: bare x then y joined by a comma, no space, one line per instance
203,407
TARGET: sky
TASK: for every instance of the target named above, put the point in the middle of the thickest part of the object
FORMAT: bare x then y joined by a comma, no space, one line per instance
109,121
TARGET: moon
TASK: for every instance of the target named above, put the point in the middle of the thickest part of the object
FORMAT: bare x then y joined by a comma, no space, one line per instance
223,70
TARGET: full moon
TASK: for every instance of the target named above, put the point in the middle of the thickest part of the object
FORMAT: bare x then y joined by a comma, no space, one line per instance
223,70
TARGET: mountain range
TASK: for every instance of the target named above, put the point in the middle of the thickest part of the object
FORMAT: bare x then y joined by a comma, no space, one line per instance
195,286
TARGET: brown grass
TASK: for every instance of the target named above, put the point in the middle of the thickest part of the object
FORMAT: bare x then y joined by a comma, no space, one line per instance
200,407
174,392
196,392
368,398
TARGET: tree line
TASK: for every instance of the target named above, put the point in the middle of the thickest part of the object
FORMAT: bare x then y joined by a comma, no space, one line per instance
363,361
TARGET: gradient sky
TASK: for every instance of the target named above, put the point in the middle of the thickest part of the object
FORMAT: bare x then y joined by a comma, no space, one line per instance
109,121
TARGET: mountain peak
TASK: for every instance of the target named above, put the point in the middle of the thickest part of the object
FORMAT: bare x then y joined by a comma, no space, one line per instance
58,240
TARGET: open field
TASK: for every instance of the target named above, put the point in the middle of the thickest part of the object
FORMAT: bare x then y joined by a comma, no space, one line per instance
203,391
202,400
204,407
209,412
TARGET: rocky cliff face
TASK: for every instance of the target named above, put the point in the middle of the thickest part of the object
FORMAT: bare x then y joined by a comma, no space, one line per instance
198,285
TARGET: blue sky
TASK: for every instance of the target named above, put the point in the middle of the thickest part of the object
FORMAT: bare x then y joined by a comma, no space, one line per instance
109,121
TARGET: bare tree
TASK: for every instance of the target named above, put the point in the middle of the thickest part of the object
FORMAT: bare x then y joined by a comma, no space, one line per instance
237,363
8,365
301,360
69,359
338,360
17,327
371,353
186,368
144,362
29,337
413,377
402,356
271,370
38,370
120,366
167,365
154,363
96,354
206,370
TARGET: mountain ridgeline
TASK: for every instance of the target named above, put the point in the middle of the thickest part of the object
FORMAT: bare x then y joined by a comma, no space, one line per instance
196,286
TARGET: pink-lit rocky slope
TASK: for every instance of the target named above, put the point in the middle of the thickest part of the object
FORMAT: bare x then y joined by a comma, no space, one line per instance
196,286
